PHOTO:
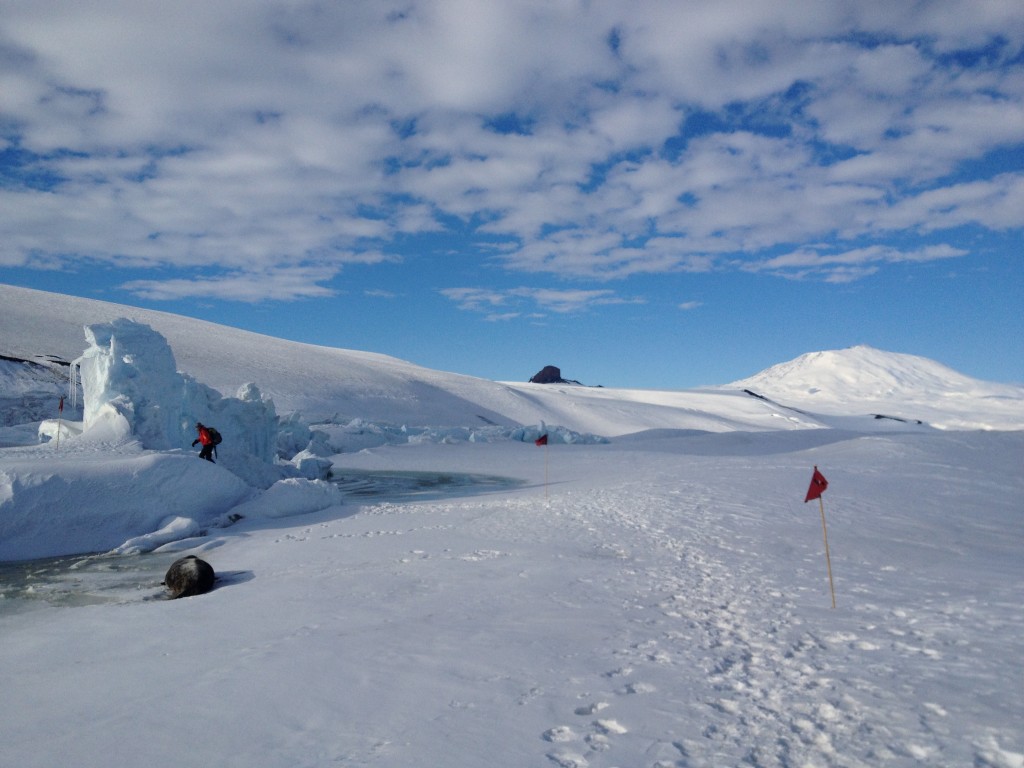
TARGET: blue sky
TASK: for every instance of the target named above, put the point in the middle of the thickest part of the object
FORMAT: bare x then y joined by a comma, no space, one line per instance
651,194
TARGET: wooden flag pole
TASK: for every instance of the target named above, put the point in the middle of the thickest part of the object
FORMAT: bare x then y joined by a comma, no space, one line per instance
60,418
828,560
543,441
545,471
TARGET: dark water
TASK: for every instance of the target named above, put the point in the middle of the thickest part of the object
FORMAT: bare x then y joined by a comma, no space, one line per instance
92,579
82,580
370,486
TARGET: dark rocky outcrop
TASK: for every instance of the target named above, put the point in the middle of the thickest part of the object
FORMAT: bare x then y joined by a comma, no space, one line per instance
550,374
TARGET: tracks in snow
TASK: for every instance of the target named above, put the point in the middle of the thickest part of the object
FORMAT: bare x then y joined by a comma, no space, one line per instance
714,664
669,625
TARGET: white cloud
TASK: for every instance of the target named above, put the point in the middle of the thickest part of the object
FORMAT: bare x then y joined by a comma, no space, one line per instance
545,300
263,136
475,299
846,266
567,301
996,203
285,284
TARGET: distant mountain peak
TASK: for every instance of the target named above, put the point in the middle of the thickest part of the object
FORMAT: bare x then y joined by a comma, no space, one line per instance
860,373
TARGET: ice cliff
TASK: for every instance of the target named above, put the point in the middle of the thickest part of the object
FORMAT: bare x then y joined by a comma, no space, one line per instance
131,386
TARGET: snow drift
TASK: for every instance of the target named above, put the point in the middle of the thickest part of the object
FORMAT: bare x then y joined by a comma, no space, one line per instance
93,500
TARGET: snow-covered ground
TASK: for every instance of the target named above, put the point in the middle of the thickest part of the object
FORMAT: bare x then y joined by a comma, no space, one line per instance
658,597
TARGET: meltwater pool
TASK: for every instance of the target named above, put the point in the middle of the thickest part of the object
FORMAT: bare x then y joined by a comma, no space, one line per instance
88,579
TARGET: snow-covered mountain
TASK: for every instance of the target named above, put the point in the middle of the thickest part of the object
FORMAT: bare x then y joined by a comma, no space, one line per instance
863,379
863,372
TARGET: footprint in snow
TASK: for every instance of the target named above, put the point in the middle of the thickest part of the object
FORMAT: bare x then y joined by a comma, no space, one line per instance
620,672
567,759
560,733
611,727
635,688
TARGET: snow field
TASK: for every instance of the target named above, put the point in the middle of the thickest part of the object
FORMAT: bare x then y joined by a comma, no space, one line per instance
651,608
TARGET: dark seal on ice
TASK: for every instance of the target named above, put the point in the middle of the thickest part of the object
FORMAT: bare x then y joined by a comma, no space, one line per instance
188,576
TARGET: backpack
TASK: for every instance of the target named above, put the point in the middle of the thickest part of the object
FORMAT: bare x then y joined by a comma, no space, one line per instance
214,435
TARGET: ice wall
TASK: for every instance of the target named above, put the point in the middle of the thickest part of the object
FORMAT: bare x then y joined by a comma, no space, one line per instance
130,368
129,377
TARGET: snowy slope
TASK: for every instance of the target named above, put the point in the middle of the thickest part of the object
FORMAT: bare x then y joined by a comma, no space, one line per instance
338,385
319,382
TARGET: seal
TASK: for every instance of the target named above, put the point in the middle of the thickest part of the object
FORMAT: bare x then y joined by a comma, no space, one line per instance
188,576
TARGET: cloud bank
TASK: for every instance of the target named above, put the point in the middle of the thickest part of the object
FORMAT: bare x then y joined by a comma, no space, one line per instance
253,151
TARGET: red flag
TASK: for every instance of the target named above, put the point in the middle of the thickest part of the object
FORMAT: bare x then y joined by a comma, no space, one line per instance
818,486
542,440
60,408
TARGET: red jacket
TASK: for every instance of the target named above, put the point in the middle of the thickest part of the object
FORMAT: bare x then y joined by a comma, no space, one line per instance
204,436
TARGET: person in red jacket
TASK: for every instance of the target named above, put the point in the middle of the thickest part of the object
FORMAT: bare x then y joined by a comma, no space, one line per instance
207,441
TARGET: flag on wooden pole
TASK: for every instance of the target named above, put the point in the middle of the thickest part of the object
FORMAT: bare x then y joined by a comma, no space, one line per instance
817,487
543,441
